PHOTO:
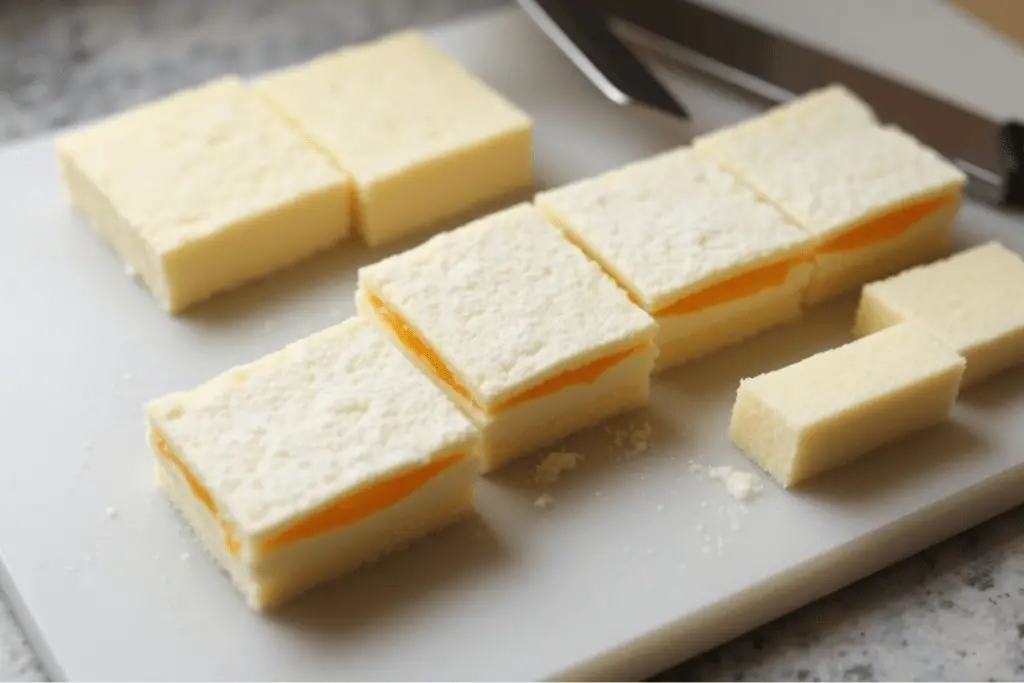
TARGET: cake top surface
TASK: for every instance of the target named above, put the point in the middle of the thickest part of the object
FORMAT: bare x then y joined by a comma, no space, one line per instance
508,303
384,106
832,383
184,168
972,298
277,439
671,225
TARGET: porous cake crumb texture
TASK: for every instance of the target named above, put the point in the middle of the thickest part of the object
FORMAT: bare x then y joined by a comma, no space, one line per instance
671,225
325,416
508,303
423,137
204,190
827,409
973,302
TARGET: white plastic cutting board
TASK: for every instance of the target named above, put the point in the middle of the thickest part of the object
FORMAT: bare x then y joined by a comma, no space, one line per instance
638,563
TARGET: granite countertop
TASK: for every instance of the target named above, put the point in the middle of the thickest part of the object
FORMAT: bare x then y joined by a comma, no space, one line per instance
955,612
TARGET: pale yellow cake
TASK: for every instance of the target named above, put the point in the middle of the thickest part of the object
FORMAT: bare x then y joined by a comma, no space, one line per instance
313,460
831,408
425,140
524,332
874,199
701,252
203,191
972,301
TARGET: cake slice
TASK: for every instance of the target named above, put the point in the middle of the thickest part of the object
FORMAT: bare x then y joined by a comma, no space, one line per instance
424,139
972,301
830,408
203,191
531,338
874,199
702,253
304,464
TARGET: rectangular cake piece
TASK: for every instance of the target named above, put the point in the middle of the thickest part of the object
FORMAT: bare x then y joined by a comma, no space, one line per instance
529,336
874,199
833,407
701,252
972,301
304,464
203,191
424,139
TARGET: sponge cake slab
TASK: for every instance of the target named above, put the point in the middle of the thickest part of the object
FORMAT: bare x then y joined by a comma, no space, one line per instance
701,252
531,338
313,460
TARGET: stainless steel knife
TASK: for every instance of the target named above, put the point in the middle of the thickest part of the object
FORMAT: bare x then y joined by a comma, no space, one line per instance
581,30
775,68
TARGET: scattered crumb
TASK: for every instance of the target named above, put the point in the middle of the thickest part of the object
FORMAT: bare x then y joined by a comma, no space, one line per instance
650,551
720,544
634,439
659,507
544,501
112,513
696,467
551,467
127,376
185,557
87,445
131,272
682,565
740,485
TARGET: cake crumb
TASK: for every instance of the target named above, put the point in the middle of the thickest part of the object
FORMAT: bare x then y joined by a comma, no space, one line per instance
87,445
131,272
544,501
185,557
696,467
633,440
112,512
127,376
551,467
741,485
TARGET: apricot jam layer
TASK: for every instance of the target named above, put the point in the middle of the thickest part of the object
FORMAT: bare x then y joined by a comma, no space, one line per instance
339,514
739,287
887,226
588,374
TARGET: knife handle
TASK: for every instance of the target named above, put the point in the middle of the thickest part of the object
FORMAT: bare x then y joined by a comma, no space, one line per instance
1011,151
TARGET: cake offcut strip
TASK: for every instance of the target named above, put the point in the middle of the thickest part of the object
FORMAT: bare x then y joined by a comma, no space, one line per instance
833,407
972,301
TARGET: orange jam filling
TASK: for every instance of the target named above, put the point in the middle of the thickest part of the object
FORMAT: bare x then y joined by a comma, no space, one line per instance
739,287
407,337
342,513
885,227
199,491
359,505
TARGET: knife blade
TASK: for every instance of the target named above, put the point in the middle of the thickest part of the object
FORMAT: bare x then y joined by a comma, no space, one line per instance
580,30
776,69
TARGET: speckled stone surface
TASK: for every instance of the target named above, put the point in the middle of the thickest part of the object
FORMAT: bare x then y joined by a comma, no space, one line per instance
955,612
